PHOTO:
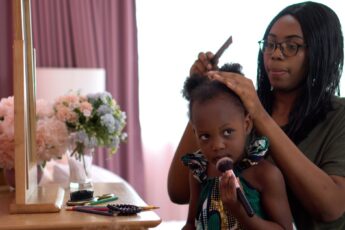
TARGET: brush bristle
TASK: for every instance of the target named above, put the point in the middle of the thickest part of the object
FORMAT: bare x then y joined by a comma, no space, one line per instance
224,164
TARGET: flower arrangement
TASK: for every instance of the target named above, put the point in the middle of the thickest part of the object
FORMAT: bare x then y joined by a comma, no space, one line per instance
49,144
94,120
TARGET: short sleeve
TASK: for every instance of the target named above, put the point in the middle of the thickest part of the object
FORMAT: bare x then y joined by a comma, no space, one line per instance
325,145
197,163
333,162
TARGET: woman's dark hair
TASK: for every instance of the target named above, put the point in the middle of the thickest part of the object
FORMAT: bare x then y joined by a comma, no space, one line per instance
200,88
324,39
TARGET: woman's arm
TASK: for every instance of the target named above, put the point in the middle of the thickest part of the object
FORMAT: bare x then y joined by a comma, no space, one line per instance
178,188
178,183
193,203
321,194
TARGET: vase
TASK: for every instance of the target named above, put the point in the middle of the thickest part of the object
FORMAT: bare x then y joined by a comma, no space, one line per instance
80,173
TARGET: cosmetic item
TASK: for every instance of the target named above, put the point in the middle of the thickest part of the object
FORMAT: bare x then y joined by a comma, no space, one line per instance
102,200
129,209
79,203
92,207
226,164
91,210
221,50
94,200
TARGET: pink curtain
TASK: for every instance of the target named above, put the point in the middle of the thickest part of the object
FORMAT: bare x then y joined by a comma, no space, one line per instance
6,83
94,33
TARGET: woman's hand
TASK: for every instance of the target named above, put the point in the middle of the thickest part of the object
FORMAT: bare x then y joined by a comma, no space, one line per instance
203,64
243,87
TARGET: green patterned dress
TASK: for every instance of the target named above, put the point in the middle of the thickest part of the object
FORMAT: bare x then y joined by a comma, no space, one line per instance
210,212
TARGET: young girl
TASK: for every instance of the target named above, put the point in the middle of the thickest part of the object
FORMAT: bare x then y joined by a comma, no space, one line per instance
223,128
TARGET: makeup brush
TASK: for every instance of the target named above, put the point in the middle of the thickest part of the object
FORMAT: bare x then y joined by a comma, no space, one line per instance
104,211
226,164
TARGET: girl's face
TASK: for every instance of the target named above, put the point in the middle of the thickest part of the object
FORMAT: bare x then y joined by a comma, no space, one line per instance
286,73
221,128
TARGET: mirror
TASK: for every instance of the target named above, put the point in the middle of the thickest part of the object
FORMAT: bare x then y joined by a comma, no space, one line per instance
29,198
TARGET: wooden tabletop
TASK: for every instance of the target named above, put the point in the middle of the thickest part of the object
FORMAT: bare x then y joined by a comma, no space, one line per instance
78,220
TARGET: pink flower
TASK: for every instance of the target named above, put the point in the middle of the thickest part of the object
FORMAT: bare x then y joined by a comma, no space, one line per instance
51,134
6,133
64,113
66,107
6,106
6,152
86,108
43,109
51,144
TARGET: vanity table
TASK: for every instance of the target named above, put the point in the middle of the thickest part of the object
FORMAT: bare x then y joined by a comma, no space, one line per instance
79,220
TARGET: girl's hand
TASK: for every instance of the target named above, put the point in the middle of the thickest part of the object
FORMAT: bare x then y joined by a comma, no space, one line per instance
203,64
228,193
243,87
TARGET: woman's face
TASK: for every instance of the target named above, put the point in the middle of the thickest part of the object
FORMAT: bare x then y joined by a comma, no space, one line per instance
221,128
286,73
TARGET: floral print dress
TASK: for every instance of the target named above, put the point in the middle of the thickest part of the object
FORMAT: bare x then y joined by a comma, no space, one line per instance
210,212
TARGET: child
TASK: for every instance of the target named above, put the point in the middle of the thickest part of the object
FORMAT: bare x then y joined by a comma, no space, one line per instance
223,128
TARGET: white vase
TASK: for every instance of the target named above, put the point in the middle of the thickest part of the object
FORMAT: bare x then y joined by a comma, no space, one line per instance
80,169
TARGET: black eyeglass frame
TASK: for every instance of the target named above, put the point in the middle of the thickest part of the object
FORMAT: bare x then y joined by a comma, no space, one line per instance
281,47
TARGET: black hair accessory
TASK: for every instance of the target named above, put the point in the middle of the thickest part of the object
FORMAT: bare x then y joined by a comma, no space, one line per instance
128,209
124,209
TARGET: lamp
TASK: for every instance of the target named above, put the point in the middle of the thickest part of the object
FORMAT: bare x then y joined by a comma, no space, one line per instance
54,82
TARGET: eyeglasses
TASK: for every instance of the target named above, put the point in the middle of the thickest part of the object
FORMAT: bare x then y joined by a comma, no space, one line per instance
288,48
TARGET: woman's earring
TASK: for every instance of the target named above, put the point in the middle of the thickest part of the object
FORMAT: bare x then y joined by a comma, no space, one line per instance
272,88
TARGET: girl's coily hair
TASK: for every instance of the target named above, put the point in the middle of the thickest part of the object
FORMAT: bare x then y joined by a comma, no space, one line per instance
201,88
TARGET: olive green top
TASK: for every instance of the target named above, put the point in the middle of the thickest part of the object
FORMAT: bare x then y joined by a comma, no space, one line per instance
325,146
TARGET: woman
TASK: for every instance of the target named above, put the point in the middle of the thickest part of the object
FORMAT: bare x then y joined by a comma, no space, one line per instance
299,68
